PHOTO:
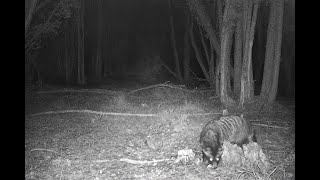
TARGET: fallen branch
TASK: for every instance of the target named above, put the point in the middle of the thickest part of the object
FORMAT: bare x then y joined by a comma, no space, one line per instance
273,171
214,97
181,87
40,149
270,122
104,160
269,126
93,112
149,87
101,91
267,121
112,113
130,161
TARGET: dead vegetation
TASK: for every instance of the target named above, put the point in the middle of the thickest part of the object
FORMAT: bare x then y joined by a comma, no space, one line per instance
152,133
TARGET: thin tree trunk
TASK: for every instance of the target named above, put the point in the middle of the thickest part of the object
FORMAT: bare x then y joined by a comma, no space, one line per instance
251,38
174,46
229,70
186,51
246,77
237,59
217,76
209,58
197,53
268,65
278,42
80,75
79,51
83,78
66,53
107,61
225,52
260,49
220,17
99,39
199,9
204,45
212,70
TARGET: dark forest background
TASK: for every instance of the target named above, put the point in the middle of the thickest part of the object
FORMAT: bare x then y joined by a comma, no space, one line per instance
132,40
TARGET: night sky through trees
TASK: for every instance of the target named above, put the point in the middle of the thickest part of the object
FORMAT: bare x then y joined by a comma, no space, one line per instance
137,31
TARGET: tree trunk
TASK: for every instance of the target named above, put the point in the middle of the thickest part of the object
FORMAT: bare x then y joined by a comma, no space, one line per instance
98,61
66,54
217,76
186,51
80,39
209,59
212,69
268,65
237,59
204,45
205,21
229,69
174,46
279,21
249,27
220,17
225,53
197,53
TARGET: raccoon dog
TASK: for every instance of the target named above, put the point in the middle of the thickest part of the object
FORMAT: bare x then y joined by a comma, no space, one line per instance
230,128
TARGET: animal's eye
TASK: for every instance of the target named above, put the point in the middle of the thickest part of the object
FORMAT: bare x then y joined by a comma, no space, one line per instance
211,159
217,159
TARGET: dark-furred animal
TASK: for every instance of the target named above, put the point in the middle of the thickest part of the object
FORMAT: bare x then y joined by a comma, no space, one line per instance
234,129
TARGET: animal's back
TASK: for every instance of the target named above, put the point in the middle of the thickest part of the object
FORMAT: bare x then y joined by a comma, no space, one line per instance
234,129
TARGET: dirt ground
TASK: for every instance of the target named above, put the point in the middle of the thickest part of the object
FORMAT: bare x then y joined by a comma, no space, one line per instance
120,133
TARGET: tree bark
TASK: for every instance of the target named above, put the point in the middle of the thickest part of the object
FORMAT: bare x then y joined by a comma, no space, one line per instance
98,64
80,39
268,65
249,27
66,54
204,45
279,21
186,50
212,69
225,53
237,59
220,17
174,46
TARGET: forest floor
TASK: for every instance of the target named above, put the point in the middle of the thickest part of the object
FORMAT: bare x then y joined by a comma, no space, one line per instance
120,133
